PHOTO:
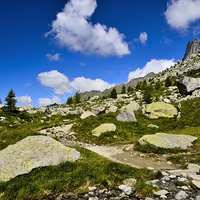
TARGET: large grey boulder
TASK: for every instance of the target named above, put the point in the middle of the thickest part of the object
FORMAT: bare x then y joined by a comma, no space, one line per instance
33,152
168,141
187,85
126,116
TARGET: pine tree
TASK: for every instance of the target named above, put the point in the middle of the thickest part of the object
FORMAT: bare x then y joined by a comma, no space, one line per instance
77,97
147,95
123,90
70,100
113,93
11,100
168,82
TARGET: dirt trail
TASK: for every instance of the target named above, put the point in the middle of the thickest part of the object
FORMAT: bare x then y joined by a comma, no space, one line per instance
125,154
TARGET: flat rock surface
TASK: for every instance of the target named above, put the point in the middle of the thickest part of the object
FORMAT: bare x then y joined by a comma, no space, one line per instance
33,152
160,109
168,141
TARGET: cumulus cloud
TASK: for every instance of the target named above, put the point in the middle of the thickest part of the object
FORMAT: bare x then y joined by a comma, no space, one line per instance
56,80
143,37
73,30
86,84
180,13
61,84
24,99
55,57
48,101
153,66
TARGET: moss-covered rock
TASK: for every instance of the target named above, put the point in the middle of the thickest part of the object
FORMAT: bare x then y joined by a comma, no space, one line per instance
160,109
33,152
168,141
103,128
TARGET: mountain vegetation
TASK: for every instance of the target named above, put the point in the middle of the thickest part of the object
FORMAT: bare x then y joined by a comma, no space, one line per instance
94,169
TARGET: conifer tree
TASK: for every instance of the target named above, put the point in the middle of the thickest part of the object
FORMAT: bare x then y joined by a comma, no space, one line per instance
70,100
123,90
113,93
77,97
11,100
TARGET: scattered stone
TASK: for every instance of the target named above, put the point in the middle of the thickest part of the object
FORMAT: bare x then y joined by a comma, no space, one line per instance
168,141
161,192
112,109
133,105
130,182
152,126
33,152
181,195
103,128
87,114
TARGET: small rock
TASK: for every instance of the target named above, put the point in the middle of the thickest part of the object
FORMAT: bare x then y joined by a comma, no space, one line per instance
181,195
161,192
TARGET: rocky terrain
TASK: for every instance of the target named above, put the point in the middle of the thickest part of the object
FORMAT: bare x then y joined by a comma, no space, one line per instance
168,90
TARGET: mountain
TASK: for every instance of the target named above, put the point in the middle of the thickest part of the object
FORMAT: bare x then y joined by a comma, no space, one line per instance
192,48
132,83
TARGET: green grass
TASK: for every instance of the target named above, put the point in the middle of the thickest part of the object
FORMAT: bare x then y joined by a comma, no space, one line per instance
91,170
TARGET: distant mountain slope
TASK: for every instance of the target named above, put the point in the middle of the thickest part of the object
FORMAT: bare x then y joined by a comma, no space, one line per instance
190,62
192,48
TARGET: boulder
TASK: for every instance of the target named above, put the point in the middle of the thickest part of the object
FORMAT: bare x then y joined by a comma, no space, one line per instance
87,114
98,110
160,109
33,152
133,105
103,128
126,116
168,141
187,85
112,109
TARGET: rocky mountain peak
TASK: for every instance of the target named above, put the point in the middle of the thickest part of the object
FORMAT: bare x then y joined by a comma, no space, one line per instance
192,48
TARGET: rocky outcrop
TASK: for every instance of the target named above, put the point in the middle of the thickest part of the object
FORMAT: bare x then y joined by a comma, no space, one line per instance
33,152
160,109
103,128
168,141
192,48
187,85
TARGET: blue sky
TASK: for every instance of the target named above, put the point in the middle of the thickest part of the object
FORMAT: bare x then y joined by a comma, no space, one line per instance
50,49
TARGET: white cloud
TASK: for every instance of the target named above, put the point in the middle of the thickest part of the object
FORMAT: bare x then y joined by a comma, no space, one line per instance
55,57
86,84
61,85
143,37
73,30
180,13
48,101
153,66
24,99
56,80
